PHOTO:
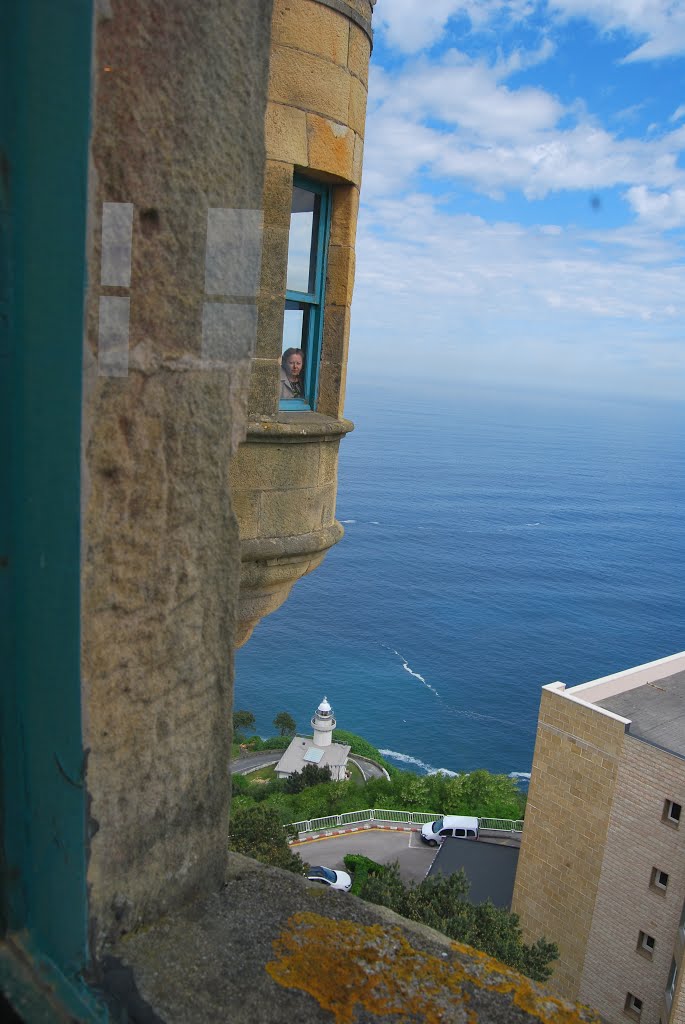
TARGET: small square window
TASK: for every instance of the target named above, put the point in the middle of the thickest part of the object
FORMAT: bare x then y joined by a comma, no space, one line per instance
672,812
659,879
645,944
633,1006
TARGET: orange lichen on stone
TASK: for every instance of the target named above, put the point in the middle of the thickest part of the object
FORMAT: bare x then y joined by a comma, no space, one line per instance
343,964
526,996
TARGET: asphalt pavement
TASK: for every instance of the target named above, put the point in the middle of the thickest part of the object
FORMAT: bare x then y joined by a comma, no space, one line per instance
241,765
383,846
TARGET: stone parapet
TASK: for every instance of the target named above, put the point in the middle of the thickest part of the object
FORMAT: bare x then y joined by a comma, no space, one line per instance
271,947
283,483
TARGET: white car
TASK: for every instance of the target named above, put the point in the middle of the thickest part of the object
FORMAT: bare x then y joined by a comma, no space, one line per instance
330,878
459,826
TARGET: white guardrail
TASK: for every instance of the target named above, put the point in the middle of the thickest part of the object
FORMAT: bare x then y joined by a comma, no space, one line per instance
401,817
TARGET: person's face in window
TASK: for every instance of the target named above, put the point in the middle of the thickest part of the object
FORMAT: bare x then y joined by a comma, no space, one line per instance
293,365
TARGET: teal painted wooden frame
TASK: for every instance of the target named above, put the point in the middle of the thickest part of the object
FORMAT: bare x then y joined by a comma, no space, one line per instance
45,89
313,300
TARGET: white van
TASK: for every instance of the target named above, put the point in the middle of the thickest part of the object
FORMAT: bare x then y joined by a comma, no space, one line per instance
461,826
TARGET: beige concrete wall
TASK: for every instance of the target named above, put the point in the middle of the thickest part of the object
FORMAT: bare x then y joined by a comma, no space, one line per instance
572,786
677,1008
175,134
637,841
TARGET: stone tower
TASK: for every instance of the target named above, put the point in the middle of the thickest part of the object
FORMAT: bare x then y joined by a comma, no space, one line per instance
284,475
323,724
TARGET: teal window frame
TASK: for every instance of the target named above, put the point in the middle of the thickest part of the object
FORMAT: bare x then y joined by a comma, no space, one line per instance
45,91
313,300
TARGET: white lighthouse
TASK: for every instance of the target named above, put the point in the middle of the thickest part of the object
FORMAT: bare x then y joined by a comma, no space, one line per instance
318,749
323,724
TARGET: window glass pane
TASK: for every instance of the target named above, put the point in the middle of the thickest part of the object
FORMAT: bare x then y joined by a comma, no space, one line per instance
294,351
304,217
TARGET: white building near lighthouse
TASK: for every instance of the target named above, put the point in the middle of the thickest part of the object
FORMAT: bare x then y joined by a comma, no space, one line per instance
319,749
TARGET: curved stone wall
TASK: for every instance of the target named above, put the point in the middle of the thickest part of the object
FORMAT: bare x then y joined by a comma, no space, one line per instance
284,477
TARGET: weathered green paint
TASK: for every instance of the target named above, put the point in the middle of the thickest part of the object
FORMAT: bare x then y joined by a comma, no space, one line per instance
45,53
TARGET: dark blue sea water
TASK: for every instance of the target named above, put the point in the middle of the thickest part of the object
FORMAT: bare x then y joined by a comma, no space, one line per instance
491,546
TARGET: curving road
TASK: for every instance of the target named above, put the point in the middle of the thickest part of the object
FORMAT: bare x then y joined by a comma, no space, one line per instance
242,765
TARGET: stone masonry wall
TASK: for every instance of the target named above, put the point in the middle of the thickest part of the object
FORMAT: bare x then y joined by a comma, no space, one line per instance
315,124
284,477
572,786
175,135
637,841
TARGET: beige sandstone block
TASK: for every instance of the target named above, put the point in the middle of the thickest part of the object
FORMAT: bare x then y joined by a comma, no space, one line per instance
328,494
309,82
356,117
362,7
290,513
270,310
340,275
277,193
274,261
307,25
245,504
336,333
328,462
285,130
263,396
344,215
331,146
359,53
331,389
275,466
357,160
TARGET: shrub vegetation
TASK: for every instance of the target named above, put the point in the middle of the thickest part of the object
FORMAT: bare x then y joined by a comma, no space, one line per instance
258,832
442,904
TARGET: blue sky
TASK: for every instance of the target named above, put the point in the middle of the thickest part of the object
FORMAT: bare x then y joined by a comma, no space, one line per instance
523,202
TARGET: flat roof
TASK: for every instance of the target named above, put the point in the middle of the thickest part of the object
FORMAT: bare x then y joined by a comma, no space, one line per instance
303,750
656,711
489,867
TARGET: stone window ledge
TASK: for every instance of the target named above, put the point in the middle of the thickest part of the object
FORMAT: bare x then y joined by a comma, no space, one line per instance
297,426
270,548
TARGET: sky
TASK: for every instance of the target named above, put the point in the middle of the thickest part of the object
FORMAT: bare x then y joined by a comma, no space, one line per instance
523,202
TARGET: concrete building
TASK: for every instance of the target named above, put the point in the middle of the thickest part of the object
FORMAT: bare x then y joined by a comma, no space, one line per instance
319,750
602,864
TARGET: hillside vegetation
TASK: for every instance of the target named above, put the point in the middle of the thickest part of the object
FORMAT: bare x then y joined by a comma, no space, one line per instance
480,793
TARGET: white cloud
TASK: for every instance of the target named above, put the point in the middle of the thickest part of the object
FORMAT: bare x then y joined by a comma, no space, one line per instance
410,26
661,21
453,297
661,210
457,119
470,94
678,113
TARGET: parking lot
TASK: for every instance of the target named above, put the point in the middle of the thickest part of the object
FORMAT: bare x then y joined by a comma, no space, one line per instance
413,856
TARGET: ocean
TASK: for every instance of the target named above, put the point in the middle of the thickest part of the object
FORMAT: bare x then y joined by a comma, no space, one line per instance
492,545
